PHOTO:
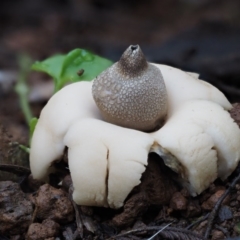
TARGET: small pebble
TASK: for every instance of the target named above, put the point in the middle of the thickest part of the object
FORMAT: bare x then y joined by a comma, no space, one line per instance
217,235
48,229
225,213
211,202
178,202
54,204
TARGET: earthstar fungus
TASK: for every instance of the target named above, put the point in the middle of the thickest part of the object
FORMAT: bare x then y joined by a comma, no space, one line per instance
199,140
132,93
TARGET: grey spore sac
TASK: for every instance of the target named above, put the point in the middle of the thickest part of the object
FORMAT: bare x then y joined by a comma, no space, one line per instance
131,93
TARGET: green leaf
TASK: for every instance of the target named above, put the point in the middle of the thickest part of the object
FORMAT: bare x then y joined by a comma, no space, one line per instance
68,68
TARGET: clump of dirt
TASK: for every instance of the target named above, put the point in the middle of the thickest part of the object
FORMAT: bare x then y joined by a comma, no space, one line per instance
54,204
15,209
48,229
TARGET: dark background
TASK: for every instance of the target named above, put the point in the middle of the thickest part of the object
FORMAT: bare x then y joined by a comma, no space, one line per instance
43,27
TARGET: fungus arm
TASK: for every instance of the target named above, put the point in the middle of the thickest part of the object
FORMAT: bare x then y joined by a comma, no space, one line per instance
182,86
106,161
70,104
206,141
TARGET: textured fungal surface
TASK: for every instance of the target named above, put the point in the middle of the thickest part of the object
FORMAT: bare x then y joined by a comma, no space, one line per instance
132,92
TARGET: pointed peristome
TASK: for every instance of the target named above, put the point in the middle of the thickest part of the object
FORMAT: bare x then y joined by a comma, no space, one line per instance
133,62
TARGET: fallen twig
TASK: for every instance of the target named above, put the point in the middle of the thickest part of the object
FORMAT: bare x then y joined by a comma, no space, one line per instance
159,231
18,170
185,234
214,212
198,221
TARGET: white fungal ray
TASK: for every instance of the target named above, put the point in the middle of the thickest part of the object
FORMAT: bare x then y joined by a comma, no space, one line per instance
106,161
72,103
199,140
206,141
45,148
182,86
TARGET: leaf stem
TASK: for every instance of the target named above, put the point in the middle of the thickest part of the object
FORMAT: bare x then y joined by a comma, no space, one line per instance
22,88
